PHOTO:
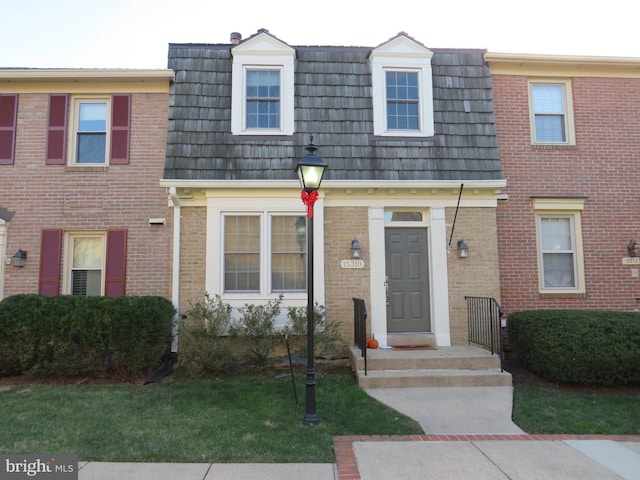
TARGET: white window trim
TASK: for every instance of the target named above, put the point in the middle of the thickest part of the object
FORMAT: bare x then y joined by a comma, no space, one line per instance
567,208
68,258
278,204
402,54
74,115
262,51
569,124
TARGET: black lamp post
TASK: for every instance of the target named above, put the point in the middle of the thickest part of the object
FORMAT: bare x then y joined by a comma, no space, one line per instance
310,171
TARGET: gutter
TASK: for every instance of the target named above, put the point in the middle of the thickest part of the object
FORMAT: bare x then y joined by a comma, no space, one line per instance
328,184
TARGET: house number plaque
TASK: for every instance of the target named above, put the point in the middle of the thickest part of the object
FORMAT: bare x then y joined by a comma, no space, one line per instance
352,263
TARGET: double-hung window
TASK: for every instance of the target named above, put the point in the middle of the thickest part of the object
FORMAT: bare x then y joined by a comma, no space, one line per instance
558,251
262,87
403,100
87,255
263,99
551,115
402,88
88,130
264,253
89,262
91,131
560,258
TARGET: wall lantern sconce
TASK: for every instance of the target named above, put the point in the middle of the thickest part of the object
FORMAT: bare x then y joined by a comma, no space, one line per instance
632,248
463,249
20,258
355,249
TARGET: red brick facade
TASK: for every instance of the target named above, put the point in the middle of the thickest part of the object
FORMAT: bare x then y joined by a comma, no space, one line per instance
602,168
97,198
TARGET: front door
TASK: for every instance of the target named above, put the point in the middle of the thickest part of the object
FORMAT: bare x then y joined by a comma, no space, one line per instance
407,273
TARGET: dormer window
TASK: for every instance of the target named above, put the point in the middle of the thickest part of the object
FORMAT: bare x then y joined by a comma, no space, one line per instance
403,100
402,88
262,99
262,87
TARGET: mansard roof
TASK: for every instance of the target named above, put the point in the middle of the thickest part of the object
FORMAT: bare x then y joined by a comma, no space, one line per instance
333,103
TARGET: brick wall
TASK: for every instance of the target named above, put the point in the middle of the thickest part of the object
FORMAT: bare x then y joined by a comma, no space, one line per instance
119,196
603,166
478,275
342,225
192,256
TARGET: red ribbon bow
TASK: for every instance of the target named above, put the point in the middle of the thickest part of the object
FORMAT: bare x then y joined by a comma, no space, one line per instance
309,199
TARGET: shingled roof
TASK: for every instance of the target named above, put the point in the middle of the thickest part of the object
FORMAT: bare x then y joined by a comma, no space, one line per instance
333,103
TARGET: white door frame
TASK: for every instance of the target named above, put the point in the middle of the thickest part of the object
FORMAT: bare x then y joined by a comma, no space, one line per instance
438,276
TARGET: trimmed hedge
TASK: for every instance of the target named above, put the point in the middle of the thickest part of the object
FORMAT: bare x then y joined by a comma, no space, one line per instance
76,335
578,346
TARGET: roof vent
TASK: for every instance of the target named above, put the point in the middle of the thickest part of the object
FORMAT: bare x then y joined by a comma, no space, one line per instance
235,38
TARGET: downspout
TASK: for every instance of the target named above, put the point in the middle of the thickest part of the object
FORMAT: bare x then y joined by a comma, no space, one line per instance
171,361
175,282
3,253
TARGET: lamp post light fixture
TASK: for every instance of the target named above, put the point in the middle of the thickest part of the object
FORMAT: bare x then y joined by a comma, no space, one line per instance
310,172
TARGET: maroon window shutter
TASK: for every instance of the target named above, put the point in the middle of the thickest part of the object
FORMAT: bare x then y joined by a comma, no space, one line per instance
120,129
116,274
8,120
57,129
50,255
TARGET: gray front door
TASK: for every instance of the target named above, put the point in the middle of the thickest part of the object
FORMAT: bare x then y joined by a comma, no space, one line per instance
407,280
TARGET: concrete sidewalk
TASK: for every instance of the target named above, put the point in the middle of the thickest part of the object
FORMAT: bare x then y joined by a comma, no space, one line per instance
206,471
495,459
468,435
453,410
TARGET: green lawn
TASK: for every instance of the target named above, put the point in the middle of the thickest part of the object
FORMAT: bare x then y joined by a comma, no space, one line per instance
250,418
547,410
235,419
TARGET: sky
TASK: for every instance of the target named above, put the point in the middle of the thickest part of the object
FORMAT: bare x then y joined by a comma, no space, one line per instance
136,33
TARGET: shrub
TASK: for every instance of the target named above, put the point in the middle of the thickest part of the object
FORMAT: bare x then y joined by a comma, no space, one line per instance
326,333
578,346
204,346
256,330
74,335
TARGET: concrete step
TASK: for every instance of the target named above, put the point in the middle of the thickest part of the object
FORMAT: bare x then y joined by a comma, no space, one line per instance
433,378
435,362
455,366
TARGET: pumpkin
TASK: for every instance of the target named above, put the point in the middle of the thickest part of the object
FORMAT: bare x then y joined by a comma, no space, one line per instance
372,343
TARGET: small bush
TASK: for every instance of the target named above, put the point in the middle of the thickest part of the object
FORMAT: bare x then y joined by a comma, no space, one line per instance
326,334
74,335
204,344
256,330
578,346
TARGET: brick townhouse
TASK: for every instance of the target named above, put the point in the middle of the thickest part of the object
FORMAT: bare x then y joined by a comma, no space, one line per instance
81,157
569,138
408,134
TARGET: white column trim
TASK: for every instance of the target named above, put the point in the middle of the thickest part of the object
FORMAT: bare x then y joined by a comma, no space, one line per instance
378,308
439,279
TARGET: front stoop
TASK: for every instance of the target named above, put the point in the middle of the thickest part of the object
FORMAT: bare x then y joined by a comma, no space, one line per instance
455,366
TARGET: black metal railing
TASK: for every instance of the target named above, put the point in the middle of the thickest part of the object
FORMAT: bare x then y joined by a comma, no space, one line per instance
484,316
360,328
